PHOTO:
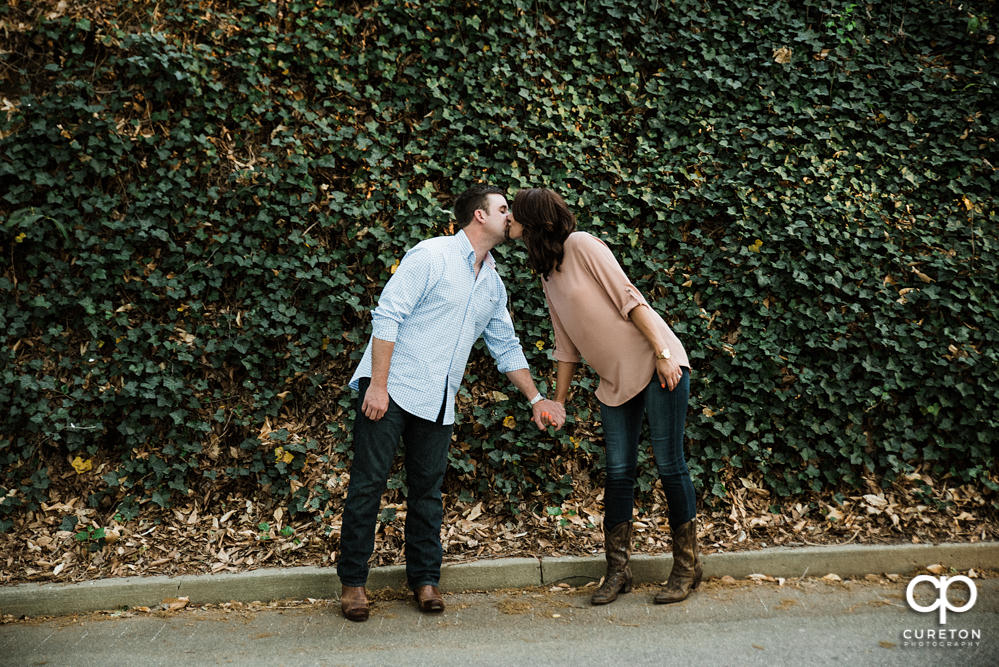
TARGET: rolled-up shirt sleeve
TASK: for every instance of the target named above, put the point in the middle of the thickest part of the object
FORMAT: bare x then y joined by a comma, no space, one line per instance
600,262
502,342
412,278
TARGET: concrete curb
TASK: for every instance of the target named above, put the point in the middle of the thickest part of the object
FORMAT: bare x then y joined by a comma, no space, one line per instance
321,583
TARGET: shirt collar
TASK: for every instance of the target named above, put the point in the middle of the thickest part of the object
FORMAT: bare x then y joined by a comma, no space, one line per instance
468,251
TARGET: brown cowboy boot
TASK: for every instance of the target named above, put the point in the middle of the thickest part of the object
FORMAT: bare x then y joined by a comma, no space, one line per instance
617,544
428,599
354,603
686,573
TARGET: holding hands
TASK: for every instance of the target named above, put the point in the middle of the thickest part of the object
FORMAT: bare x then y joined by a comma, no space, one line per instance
548,413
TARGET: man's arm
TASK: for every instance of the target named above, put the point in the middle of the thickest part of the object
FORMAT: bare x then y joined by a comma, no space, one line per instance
545,411
400,295
376,398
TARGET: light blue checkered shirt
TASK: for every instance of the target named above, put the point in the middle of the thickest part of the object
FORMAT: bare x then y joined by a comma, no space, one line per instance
434,308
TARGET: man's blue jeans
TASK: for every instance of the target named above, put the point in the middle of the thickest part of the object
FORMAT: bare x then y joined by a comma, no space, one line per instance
667,413
426,446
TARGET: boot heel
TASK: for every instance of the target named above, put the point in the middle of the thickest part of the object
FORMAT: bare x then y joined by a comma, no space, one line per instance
626,588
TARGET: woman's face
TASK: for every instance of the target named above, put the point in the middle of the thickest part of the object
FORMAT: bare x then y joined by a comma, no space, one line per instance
514,230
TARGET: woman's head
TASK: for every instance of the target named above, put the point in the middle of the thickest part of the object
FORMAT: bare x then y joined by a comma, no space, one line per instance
543,219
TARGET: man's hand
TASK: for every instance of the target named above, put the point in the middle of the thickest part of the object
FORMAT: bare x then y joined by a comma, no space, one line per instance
669,373
376,402
548,413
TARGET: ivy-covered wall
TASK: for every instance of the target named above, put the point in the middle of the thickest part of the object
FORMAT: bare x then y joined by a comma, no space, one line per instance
202,200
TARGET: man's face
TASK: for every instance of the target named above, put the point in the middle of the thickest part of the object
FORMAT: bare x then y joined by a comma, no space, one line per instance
498,215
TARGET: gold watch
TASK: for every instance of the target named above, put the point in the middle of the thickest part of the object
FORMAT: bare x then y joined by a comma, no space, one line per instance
663,353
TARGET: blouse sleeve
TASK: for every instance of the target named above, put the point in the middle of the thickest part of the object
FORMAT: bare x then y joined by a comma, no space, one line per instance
565,349
600,262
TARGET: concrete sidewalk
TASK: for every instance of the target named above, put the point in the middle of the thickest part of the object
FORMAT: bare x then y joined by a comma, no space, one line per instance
321,583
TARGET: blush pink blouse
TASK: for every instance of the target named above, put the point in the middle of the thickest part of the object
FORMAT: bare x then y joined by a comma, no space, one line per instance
589,299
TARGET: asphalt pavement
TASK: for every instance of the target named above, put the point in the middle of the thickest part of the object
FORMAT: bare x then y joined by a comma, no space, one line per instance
762,607
746,622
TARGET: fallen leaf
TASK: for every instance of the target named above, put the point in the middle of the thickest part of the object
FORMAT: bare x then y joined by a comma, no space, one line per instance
886,644
81,466
173,604
832,577
936,568
875,501
783,55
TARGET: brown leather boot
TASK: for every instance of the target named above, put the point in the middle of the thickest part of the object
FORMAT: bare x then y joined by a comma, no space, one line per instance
428,599
354,603
617,544
686,573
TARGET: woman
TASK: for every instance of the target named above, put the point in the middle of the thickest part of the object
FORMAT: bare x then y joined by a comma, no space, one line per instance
597,314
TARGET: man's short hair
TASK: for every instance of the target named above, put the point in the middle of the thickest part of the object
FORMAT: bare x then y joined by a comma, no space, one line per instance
471,200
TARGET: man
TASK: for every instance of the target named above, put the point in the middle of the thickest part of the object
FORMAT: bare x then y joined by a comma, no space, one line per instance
444,294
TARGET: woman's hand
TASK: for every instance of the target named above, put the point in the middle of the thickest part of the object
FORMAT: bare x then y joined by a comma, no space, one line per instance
669,373
549,413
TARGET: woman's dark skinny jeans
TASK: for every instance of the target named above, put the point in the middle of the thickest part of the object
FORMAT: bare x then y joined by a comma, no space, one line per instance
667,414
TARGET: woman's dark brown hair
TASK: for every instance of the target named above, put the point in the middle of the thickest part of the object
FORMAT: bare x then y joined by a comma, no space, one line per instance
547,223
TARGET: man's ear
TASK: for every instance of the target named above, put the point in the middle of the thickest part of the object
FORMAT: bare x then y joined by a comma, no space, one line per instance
479,215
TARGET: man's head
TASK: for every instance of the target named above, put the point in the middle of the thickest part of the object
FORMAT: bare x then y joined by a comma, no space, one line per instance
474,199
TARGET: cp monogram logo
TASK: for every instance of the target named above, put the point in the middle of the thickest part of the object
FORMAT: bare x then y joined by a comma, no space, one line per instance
942,602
